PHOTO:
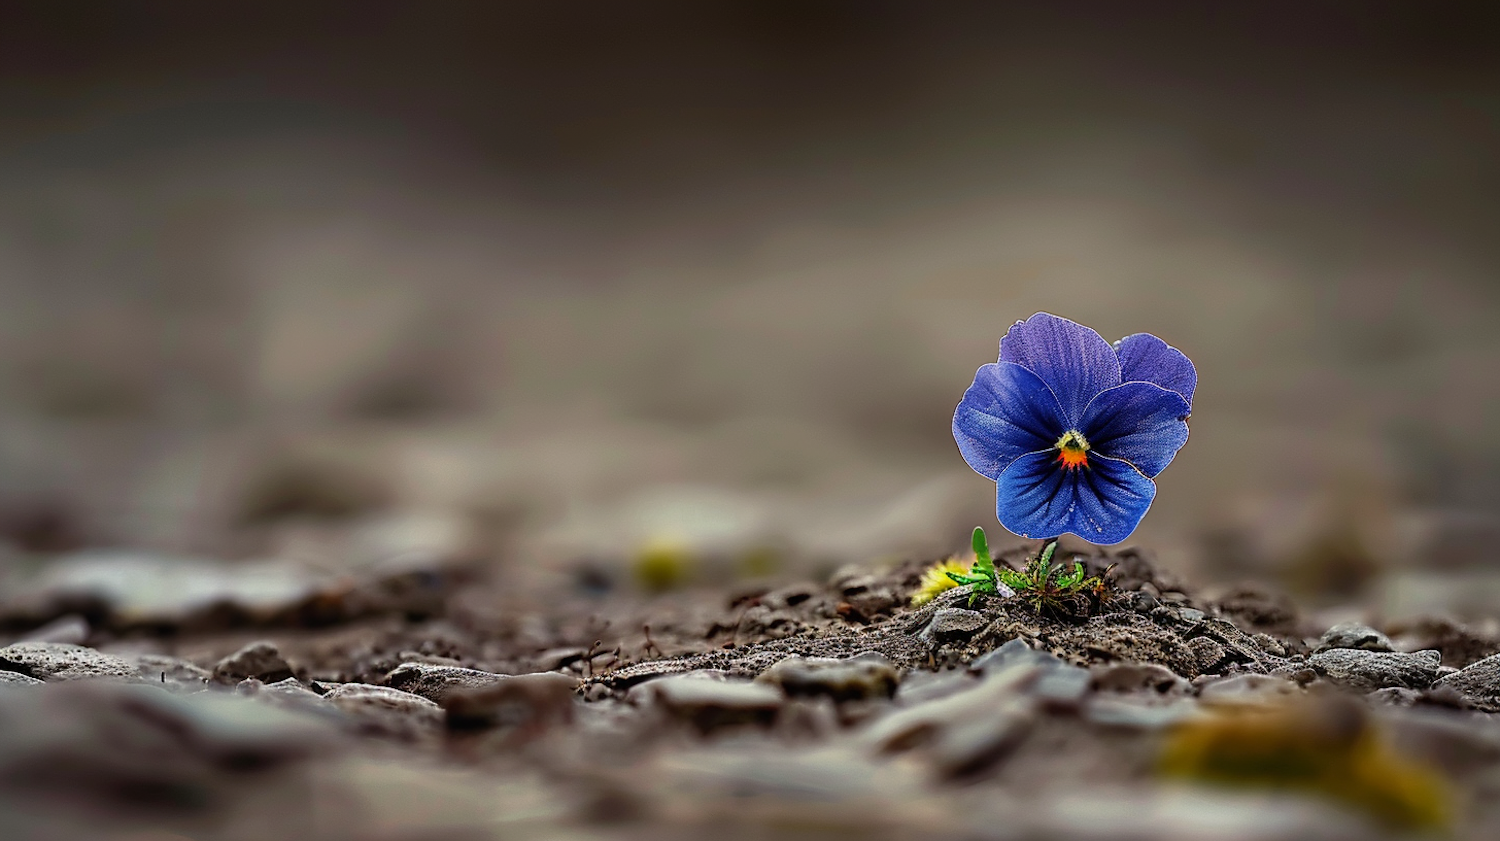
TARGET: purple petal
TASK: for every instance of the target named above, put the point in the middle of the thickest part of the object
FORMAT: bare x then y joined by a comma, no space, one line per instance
1145,358
1006,413
1101,503
1074,361
1141,423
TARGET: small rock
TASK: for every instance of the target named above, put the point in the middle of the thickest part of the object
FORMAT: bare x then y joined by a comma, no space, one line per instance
1062,689
1207,652
1013,652
260,660
1139,677
436,683
1371,670
51,661
1353,635
966,731
291,692
528,704
72,629
172,673
386,711
712,704
1479,683
8,679
866,676
920,687
1395,696
1123,712
1247,689
950,624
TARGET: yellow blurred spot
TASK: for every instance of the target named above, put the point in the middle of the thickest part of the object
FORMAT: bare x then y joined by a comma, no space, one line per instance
759,562
662,565
1326,747
936,580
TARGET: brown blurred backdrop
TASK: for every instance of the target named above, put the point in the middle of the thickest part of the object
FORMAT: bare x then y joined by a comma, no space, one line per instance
577,277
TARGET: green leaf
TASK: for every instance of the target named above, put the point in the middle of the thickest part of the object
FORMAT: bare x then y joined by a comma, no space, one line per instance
1047,551
983,563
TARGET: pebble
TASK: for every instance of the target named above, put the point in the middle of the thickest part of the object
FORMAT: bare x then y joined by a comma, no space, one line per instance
17,679
1124,712
1247,689
1013,652
530,702
436,683
865,676
142,588
102,747
260,660
1395,696
1207,652
292,692
386,711
952,624
920,687
966,731
172,673
72,628
1139,677
1353,635
50,661
1371,670
1478,682
710,704
1063,688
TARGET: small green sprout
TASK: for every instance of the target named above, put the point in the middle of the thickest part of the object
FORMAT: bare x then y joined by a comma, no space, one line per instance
1041,585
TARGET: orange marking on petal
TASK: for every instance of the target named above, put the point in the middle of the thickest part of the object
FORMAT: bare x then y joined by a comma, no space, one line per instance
1072,459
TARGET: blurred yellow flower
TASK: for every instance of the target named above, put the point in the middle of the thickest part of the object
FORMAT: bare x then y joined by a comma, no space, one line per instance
936,580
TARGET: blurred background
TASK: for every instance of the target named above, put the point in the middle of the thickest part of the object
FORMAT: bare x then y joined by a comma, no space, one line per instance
566,283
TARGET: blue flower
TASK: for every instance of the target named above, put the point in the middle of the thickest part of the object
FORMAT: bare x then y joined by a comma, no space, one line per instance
1073,429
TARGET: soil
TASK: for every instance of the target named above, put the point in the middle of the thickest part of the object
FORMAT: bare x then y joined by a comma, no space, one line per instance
434,703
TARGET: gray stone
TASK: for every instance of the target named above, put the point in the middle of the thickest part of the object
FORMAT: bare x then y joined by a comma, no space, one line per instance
98,745
50,661
72,629
384,711
8,679
967,730
858,678
1149,678
1371,670
1354,635
710,704
1062,688
289,693
1013,652
920,687
1124,712
1248,689
436,683
1479,683
1207,652
172,673
1395,696
528,704
951,624
260,660
142,588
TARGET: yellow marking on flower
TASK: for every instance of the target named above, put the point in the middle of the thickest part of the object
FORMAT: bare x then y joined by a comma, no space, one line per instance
1072,450
936,580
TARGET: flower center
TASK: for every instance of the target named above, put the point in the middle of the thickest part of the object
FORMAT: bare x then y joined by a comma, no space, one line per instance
1072,450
